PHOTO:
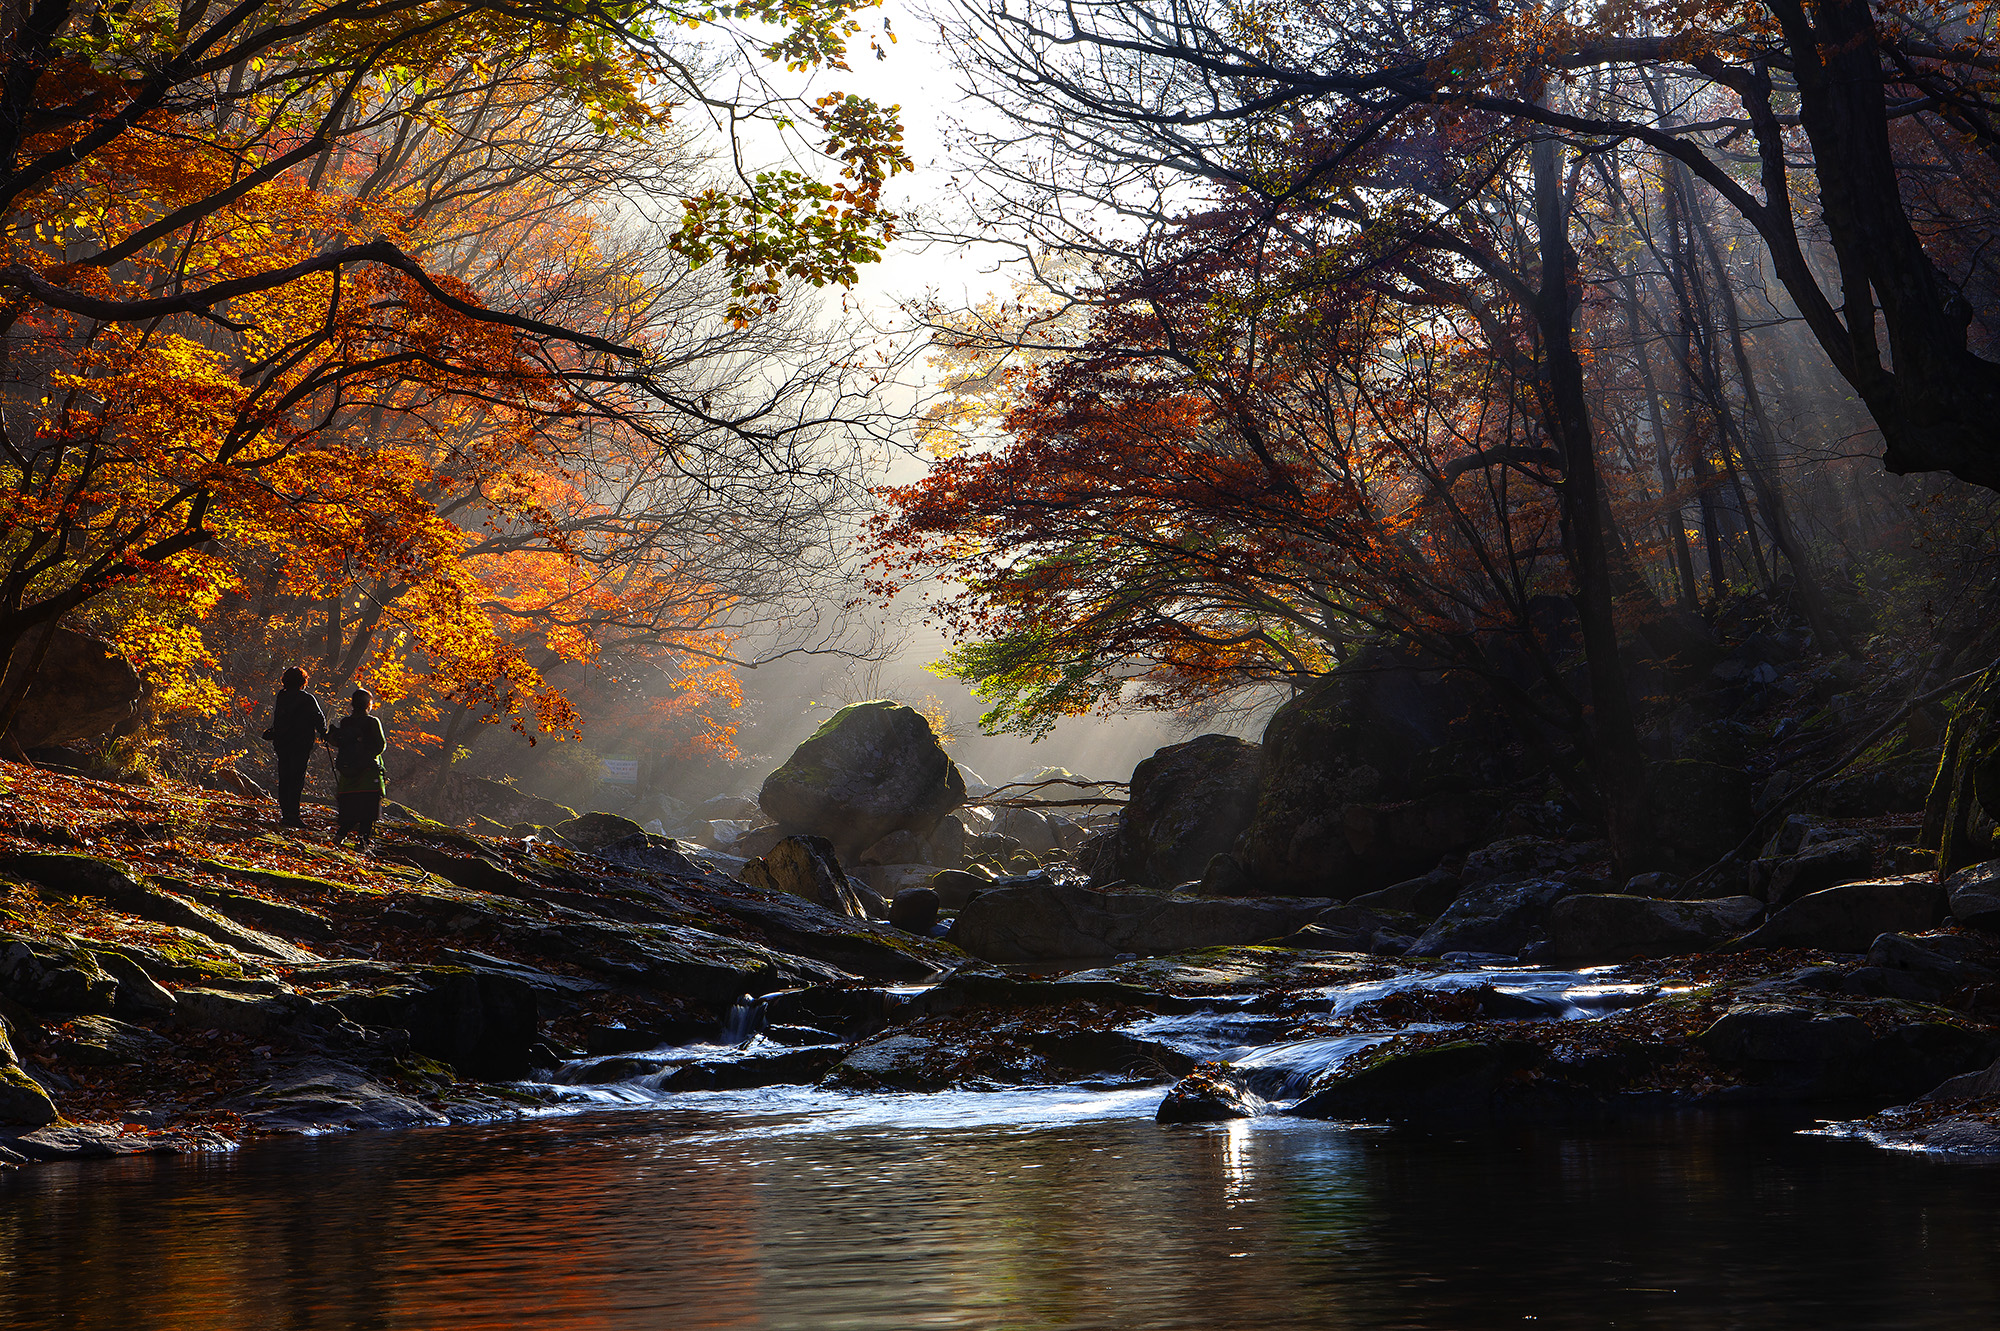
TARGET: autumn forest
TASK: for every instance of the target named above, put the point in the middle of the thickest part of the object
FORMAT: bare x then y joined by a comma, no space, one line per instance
1478,521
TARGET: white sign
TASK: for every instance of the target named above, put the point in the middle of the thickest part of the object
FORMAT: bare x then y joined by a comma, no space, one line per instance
621,771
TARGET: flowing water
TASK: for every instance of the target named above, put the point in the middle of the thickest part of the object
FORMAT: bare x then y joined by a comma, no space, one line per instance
1051,1207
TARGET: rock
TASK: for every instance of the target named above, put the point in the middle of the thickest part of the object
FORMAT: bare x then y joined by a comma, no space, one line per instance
103,1041
914,910
1099,856
593,831
806,867
1047,920
991,845
1769,1033
483,1023
1850,917
1527,856
312,1094
1817,867
1370,775
1428,895
1032,830
1974,893
731,806
650,853
1353,928
1655,884
463,797
1464,1079
1209,1094
84,875
900,847
1617,928
1941,962
139,995
277,916
873,769
1225,876
51,977
83,691
259,1016
23,1101
1012,1050
1698,811
1498,918
946,843
1189,803
955,887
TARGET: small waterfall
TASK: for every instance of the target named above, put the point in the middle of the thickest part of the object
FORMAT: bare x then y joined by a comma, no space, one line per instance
745,1019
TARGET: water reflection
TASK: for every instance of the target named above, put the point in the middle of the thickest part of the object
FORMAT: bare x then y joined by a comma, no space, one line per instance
687,1219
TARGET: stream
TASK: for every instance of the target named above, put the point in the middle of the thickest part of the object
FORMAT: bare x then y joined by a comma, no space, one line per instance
1033,1207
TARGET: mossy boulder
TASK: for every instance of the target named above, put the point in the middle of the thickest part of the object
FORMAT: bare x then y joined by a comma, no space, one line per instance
872,769
1189,803
1371,775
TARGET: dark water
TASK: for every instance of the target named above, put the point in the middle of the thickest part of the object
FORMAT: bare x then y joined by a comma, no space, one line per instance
731,1213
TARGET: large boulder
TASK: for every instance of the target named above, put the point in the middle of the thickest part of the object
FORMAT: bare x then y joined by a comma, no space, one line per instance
1189,803
1496,917
83,691
1850,917
873,769
1370,776
1974,892
806,867
483,1023
1592,927
1043,920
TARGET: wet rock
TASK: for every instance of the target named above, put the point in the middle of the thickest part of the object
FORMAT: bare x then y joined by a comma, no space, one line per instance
1974,894
1209,1094
1850,917
915,910
1587,927
873,769
1461,1080
805,866
83,691
51,977
1498,918
1427,895
312,1094
1805,1053
1009,1051
1353,928
1059,920
1189,803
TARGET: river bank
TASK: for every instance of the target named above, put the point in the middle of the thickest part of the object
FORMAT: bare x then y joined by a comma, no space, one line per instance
177,975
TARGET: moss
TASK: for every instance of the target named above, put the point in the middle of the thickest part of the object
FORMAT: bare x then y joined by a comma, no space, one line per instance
184,953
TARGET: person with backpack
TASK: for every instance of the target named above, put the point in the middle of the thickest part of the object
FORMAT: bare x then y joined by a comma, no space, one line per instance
297,724
360,779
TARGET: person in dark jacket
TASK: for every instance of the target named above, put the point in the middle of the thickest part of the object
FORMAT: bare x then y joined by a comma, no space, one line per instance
297,725
360,778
